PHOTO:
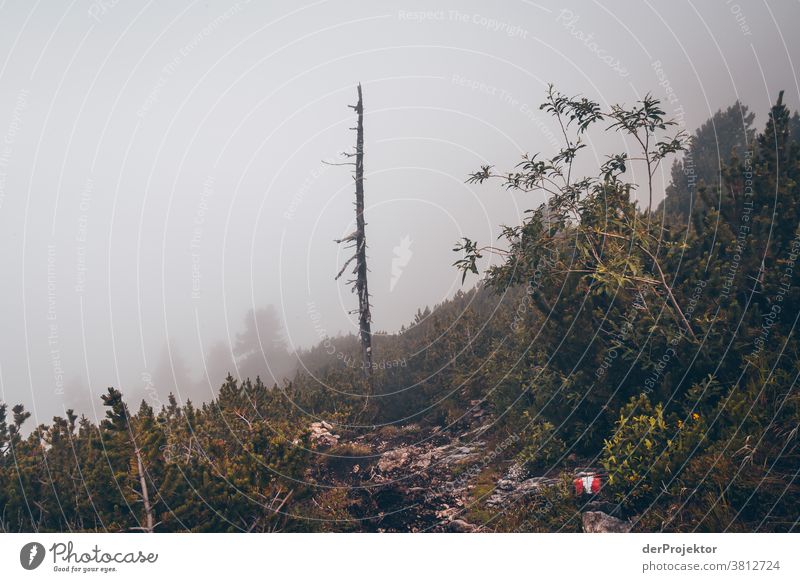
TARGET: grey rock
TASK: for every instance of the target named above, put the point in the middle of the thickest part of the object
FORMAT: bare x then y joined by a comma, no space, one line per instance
321,435
460,526
599,522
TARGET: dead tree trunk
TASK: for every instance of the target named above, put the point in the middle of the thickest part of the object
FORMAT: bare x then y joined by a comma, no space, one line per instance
359,239
148,509
364,315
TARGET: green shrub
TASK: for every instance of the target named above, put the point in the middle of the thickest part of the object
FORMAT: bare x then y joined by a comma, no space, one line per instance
541,447
646,449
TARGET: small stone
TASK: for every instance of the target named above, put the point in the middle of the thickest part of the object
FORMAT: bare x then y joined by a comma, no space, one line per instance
460,526
599,522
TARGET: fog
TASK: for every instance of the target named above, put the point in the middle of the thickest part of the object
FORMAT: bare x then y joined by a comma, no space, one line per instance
165,213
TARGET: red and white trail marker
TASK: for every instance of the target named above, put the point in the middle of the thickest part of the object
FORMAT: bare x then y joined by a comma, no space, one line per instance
589,485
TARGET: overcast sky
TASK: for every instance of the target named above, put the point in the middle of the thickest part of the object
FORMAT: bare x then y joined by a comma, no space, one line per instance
161,175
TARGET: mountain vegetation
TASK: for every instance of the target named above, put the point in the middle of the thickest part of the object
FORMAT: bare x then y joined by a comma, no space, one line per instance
652,347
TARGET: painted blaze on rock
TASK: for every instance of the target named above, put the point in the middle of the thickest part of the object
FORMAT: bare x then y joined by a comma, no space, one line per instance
588,484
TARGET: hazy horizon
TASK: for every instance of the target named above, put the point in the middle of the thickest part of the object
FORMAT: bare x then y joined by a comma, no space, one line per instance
162,183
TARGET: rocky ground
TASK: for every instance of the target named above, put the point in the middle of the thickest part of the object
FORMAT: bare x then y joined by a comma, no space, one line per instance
413,479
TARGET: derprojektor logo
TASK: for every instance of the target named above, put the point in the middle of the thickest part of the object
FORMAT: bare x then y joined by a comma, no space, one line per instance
31,555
